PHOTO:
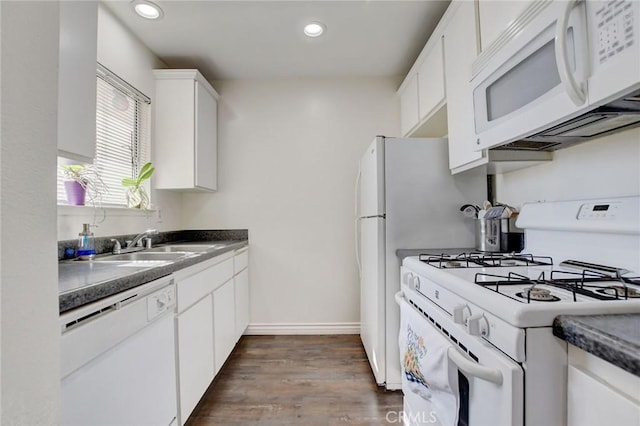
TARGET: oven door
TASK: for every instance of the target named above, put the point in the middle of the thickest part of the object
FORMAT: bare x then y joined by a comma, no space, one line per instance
490,384
537,79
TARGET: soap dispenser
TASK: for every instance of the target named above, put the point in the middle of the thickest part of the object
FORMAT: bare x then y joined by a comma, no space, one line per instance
86,247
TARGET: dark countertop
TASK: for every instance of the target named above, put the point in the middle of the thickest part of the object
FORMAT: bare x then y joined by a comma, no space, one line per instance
614,338
83,282
402,253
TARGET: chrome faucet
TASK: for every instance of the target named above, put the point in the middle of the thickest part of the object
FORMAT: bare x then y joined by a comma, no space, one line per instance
135,244
137,240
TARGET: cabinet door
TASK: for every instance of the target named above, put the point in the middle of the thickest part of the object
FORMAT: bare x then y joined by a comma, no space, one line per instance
186,137
495,17
206,139
174,152
431,81
77,80
460,50
195,354
242,302
591,401
409,116
224,323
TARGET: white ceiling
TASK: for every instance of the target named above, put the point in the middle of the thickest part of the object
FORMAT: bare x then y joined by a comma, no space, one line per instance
263,39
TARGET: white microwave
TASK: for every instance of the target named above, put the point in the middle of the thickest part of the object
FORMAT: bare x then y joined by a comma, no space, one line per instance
562,73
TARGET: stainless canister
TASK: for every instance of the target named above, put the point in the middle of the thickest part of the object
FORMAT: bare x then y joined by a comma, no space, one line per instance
488,234
499,235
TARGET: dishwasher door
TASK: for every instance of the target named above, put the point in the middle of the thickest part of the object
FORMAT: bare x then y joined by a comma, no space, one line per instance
133,382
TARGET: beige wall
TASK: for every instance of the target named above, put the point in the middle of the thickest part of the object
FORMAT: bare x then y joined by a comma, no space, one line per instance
126,56
288,158
30,337
605,167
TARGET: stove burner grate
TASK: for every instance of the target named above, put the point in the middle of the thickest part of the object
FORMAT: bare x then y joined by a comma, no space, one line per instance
483,260
618,291
587,283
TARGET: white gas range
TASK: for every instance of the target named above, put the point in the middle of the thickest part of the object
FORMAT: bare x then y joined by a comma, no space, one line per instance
497,310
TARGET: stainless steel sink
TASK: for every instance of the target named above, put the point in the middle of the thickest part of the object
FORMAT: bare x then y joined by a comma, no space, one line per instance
144,255
186,248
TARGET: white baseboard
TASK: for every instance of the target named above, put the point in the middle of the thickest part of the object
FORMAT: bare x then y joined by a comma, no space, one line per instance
303,328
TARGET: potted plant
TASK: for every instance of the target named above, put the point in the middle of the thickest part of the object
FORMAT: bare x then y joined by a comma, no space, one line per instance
82,180
137,196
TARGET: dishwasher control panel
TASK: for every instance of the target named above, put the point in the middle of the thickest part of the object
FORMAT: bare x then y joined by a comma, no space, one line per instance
161,301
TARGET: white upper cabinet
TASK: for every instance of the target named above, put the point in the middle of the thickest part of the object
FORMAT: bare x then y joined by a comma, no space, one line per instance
431,87
422,93
77,80
495,16
409,115
460,50
186,141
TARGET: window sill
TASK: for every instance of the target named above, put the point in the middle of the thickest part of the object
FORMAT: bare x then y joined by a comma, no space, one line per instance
67,210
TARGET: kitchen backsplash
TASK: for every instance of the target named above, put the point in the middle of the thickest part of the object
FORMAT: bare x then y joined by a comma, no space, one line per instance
606,167
105,245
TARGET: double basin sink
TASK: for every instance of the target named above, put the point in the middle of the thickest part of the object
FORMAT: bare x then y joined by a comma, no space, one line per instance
158,255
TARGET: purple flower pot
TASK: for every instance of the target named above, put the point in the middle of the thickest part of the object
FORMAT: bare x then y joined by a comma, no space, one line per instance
75,193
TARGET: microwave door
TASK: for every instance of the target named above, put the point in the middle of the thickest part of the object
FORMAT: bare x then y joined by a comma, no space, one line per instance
520,91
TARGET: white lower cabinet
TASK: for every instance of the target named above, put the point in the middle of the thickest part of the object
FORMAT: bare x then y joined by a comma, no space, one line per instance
224,322
600,393
242,302
212,308
195,354
241,278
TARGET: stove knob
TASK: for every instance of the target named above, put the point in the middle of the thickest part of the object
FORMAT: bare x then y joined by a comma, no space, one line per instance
416,283
407,278
477,325
461,313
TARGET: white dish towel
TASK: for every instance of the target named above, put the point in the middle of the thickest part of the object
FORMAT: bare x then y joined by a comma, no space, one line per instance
426,370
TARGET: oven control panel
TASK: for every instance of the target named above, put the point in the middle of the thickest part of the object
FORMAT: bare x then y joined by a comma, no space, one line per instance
600,211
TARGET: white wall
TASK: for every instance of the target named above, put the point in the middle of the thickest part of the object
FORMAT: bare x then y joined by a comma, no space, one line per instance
125,55
288,158
30,337
605,167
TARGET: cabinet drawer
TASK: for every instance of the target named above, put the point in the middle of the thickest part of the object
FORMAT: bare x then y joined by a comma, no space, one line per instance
240,261
194,287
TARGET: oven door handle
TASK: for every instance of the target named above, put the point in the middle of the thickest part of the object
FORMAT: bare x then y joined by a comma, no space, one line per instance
485,373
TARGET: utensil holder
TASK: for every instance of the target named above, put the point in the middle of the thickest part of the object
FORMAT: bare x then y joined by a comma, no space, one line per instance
488,235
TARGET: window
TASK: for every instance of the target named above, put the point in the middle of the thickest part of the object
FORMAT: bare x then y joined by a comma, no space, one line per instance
122,135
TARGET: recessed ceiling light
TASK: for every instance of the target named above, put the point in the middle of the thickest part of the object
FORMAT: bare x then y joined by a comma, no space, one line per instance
314,29
147,9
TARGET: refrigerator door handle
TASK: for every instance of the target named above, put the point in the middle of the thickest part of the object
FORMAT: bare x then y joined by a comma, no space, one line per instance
357,224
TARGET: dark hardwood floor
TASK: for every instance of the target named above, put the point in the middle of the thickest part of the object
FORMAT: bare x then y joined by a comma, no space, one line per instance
297,380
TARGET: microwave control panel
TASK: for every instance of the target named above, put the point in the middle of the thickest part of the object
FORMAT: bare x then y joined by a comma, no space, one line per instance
615,28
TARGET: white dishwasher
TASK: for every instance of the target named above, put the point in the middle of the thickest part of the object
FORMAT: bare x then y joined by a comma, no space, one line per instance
118,359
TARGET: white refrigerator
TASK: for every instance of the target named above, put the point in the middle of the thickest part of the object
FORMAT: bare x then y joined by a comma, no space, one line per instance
406,198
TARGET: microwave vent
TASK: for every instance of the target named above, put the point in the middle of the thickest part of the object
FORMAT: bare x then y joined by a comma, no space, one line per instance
527,145
621,114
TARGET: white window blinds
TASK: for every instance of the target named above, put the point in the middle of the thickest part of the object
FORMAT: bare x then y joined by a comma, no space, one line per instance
122,133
